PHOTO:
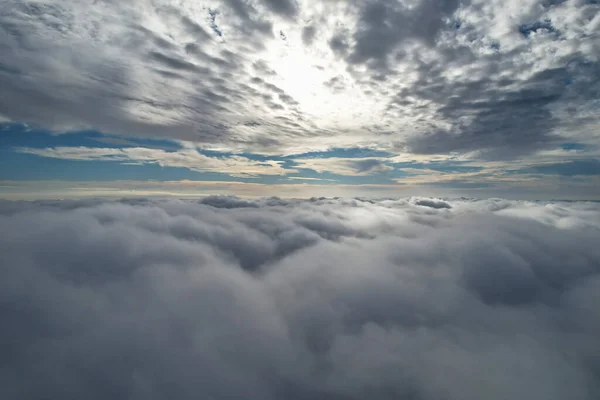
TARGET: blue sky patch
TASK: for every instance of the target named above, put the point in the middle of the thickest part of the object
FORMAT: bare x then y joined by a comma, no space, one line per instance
21,135
22,157
572,146
570,168
537,27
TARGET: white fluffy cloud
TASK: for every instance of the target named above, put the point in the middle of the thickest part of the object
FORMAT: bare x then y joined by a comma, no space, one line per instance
226,298
188,158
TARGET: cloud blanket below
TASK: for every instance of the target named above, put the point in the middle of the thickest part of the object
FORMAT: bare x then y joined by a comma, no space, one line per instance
225,298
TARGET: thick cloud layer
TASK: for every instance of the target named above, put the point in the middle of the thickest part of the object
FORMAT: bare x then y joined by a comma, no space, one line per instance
299,299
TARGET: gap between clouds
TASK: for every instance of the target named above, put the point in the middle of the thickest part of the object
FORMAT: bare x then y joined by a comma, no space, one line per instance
236,166
401,169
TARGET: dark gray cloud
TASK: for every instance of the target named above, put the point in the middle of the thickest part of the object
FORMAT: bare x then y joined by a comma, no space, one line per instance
495,114
336,84
295,299
368,165
339,44
227,202
433,203
284,8
490,117
383,25
308,34
253,22
174,63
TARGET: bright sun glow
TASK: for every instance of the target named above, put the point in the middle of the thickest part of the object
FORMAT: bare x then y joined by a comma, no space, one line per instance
301,73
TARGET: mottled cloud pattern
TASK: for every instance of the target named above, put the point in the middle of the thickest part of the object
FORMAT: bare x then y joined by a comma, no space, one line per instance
225,298
491,79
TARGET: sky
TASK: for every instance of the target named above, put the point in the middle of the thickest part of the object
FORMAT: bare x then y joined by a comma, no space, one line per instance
300,98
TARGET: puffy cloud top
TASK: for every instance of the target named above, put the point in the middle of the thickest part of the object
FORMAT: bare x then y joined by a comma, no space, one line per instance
225,298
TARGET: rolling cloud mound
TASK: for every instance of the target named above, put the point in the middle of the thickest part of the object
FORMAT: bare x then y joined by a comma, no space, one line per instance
225,298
